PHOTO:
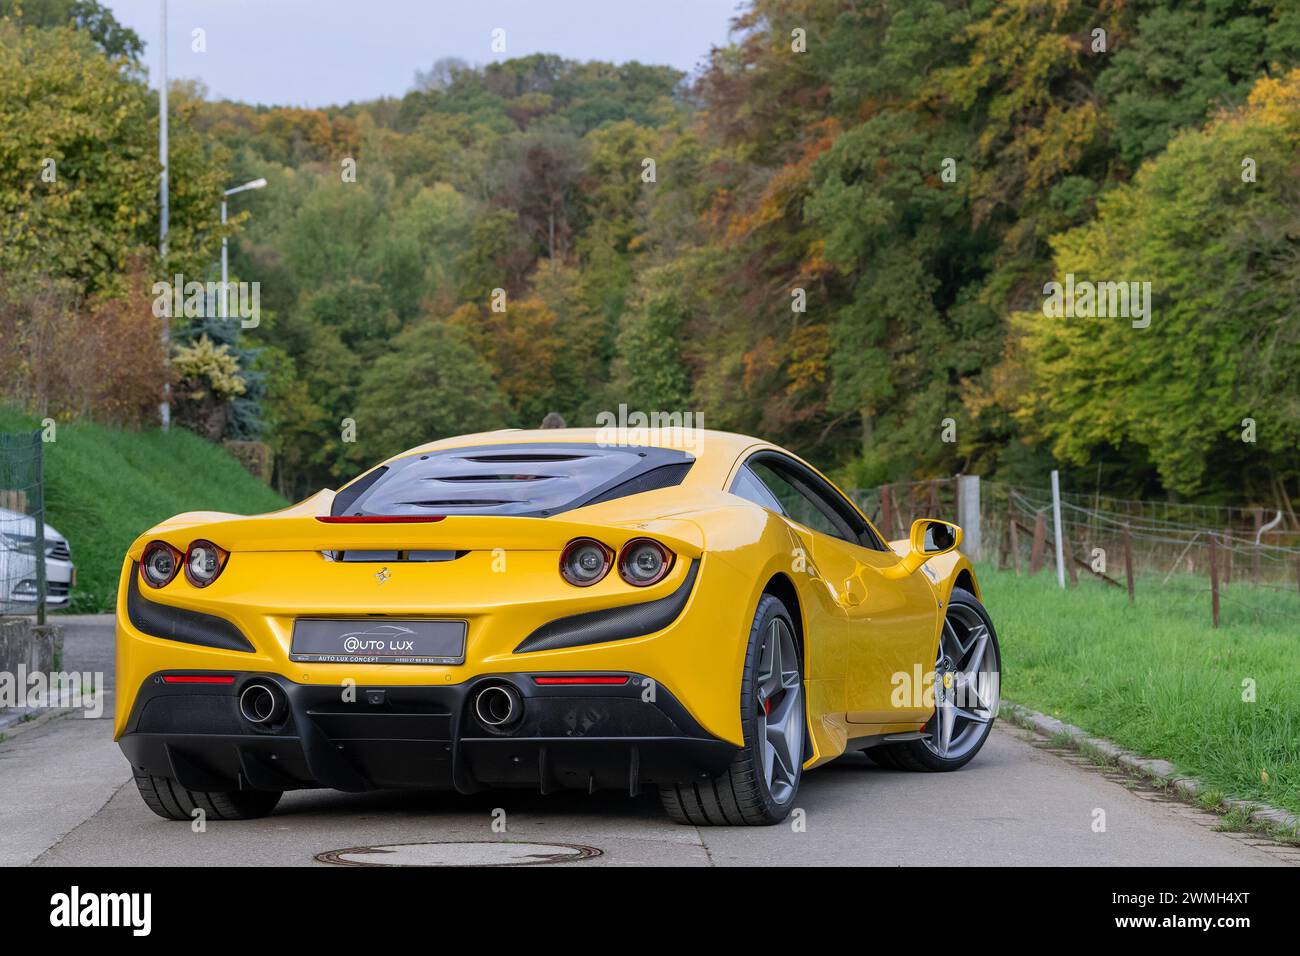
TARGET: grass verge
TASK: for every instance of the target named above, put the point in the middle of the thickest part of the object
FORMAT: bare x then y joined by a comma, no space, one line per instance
1222,704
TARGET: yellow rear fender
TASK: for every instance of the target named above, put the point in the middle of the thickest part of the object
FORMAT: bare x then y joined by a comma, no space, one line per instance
950,570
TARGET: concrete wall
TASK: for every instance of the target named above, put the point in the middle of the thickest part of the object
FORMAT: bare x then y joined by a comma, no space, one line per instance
37,648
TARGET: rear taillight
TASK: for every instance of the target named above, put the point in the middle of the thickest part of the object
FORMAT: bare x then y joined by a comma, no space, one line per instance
581,680
204,561
199,679
644,562
160,563
585,561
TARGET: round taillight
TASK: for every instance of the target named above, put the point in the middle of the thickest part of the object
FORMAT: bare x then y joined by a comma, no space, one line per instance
159,564
203,562
585,561
644,562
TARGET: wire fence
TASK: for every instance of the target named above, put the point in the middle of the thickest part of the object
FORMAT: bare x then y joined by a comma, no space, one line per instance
23,585
1247,559
893,507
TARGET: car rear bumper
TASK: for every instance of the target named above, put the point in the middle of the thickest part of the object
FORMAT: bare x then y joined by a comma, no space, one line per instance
625,736
675,632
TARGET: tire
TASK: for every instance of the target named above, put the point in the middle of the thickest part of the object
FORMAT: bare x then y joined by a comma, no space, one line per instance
742,795
171,801
964,610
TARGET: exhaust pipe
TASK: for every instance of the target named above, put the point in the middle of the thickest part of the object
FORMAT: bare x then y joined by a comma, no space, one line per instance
498,706
262,704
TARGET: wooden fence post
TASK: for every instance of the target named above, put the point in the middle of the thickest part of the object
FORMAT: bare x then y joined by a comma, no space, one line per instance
1214,581
1128,560
1014,525
887,510
1040,542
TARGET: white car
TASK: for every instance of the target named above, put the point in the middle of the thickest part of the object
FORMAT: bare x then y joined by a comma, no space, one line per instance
18,564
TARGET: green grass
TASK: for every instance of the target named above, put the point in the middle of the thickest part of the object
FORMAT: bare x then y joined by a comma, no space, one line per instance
1157,678
104,486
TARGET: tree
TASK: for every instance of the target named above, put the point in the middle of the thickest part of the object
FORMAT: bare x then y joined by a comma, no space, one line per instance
537,176
1184,60
79,170
649,372
1222,346
432,385
90,16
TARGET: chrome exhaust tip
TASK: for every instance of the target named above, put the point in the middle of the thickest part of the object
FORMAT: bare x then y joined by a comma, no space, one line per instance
262,703
498,706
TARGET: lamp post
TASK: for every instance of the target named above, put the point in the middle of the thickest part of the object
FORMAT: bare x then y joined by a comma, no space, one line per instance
255,184
165,408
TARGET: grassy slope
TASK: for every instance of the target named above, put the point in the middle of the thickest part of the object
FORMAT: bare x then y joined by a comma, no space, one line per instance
1157,678
105,486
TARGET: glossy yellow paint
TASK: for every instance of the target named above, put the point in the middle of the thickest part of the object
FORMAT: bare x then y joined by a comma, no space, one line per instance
861,621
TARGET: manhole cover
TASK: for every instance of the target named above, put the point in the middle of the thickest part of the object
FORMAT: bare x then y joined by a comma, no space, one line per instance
467,853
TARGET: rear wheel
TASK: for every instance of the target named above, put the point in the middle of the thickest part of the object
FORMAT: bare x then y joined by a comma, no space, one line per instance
171,801
967,677
760,786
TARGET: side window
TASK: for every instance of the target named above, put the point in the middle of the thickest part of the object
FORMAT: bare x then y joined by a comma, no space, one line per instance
748,486
800,506
806,498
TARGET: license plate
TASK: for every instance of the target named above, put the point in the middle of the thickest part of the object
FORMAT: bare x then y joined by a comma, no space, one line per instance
378,642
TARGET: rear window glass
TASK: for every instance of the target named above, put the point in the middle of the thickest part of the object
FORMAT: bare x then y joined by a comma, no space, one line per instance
525,479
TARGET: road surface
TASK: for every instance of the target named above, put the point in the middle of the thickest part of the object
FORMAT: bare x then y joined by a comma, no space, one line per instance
66,798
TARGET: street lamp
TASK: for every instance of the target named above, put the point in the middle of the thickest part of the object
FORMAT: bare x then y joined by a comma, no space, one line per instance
165,408
255,184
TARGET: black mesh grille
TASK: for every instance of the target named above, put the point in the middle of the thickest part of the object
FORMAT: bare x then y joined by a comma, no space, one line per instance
664,476
178,624
345,498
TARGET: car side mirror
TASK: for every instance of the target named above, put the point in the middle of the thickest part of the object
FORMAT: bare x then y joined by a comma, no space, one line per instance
930,537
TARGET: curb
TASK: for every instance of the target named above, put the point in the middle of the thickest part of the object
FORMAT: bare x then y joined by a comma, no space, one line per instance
21,720
1161,772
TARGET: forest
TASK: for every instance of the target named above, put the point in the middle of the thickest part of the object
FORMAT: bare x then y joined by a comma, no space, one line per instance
838,234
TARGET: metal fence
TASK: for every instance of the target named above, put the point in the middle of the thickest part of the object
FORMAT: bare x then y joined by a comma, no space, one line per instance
23,587
1236,557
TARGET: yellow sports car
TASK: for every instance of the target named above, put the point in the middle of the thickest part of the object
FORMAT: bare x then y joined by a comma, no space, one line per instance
704,614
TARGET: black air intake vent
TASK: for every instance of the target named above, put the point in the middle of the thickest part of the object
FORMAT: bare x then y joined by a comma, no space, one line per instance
363,557
611,624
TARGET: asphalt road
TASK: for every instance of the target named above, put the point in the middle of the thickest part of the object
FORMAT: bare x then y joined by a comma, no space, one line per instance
66,798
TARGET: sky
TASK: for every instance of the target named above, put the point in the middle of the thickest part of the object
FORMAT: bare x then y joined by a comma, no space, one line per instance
323,52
